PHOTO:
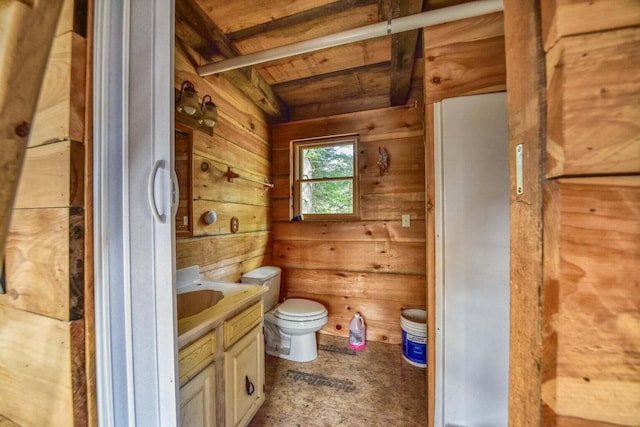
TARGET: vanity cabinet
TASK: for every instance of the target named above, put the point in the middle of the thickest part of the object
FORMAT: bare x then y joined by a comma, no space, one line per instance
222,372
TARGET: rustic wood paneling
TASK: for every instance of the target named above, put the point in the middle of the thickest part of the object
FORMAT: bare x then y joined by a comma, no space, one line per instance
53,176
401,288
42,354
241,140
250,14
561,18
337,86
378,315
281,209
373,265
60,110
197,31
526,100
44,262
594,104
353,55
359,90
388,257
391,206
251,217
7,423
220,251
281,188
405,153
591,251
209,183
380,231
233,272
23,60
41,370
322,25
464,31
592,320
375,125
464,57
229,154
241,121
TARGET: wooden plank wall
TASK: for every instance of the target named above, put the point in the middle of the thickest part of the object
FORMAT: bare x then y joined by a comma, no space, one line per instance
241,141
373,266
463,57
591,341
42,348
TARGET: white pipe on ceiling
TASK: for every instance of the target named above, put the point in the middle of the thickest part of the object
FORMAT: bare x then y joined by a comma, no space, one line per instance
398,25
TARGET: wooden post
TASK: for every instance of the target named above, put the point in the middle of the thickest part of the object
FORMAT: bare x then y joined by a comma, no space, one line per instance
526,102
23,58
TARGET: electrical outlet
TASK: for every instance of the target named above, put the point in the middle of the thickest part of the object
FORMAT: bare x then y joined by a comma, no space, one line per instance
406,220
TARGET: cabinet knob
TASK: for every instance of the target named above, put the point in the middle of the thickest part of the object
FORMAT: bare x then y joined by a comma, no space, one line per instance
248,385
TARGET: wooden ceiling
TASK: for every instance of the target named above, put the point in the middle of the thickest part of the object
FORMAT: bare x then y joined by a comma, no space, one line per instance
375,73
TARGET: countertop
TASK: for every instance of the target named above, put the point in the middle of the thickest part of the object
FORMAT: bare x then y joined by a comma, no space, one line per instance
236,298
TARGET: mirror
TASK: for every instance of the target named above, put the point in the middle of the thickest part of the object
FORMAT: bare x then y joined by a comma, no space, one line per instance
183,166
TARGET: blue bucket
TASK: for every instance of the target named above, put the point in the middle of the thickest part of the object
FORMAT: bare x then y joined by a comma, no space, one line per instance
414,336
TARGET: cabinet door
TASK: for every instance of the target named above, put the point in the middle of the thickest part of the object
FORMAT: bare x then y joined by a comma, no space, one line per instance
197,400
244,378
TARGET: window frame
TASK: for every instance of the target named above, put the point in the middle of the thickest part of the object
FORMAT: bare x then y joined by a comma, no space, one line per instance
297,148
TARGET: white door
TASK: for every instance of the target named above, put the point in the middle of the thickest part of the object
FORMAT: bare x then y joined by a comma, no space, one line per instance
472,258
134,248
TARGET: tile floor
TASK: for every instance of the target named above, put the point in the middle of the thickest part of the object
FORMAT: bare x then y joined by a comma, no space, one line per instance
374,387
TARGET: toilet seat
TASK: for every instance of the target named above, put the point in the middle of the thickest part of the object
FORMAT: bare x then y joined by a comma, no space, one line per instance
297,309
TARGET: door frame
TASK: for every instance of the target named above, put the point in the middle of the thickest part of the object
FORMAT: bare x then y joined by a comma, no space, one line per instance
135,328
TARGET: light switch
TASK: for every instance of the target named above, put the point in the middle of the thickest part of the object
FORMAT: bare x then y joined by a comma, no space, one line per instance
406,220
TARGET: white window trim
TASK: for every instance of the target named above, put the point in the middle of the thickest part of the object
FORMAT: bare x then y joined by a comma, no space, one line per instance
296,149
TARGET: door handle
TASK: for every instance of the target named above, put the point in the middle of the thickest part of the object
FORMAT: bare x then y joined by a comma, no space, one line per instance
162,218
248,386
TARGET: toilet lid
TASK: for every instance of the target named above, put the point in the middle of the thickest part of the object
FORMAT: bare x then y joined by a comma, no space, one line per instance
297,307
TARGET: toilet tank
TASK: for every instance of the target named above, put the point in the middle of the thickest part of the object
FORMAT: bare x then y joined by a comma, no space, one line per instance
266,276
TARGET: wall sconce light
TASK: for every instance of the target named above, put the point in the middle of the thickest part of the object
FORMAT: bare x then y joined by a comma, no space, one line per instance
188,101
209,112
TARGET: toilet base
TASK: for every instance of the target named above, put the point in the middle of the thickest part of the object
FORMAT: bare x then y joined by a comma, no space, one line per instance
301,348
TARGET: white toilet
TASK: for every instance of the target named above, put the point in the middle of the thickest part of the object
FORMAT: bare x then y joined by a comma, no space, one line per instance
289,328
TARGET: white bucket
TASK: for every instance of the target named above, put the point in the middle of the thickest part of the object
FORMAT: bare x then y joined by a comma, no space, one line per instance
414,336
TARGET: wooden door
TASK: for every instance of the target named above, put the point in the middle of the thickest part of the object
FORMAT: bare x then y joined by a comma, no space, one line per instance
198,400
244,378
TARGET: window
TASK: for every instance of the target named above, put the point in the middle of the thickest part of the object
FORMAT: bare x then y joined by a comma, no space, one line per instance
325,180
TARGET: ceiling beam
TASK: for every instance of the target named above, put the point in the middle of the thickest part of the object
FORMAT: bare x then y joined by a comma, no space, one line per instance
403,50
197,31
